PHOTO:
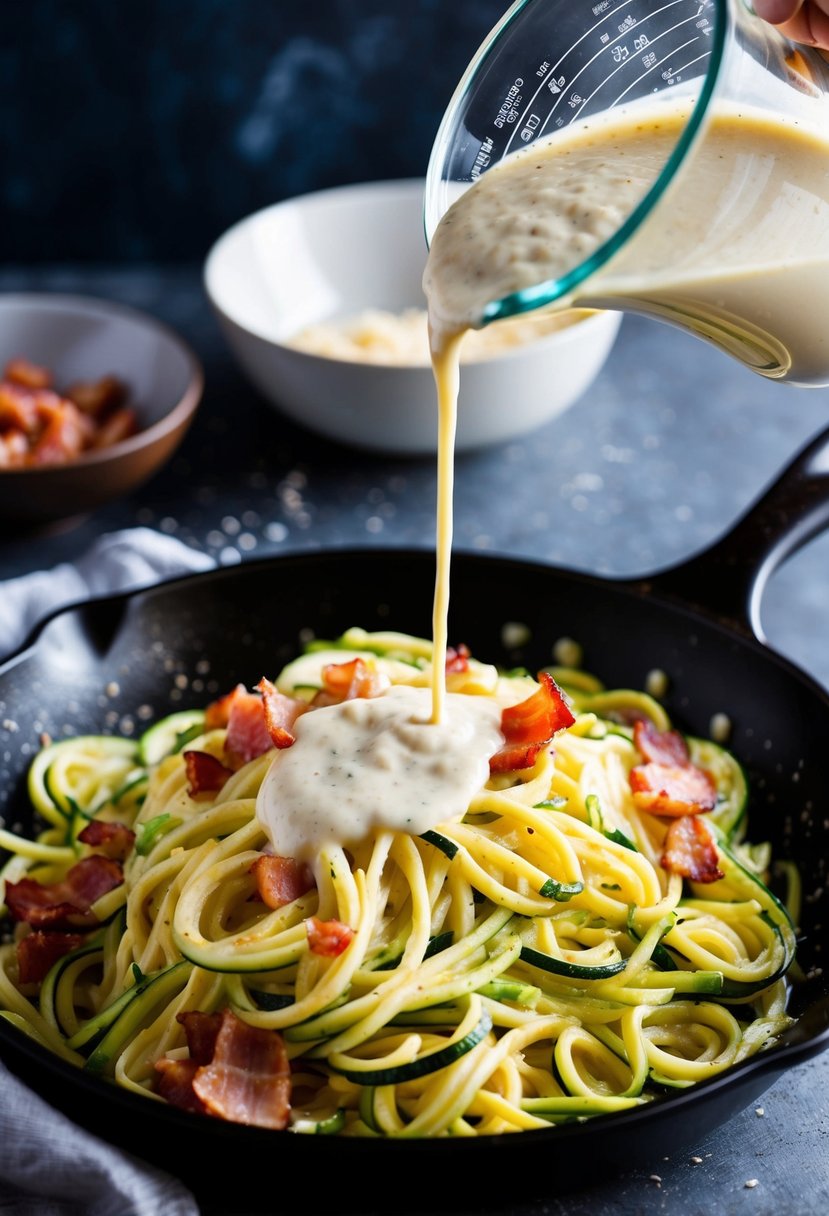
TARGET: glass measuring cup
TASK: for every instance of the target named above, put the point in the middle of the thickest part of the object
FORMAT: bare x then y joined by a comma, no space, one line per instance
726,231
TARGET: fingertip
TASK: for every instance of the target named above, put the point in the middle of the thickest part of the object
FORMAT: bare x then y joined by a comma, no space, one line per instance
776,11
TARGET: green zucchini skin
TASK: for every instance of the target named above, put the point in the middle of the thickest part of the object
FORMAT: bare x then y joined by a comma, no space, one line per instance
561,892
170,735
730,813
571,971
774,913
48,999
328,1125
446,846
141,1002
423,1065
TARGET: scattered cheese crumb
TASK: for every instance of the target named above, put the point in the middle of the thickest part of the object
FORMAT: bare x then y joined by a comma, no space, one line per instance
568,653
656,682
752,1182
697,1160
760,1111
657,1179
720,728
514,634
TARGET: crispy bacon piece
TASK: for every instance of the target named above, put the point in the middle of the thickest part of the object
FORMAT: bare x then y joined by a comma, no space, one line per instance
672,790
176,1077
113,839
690,850
202,1030
255,723
65,432
281,880
39,425
247,731
540,716
205,773
328,937
37,952
14,448
17,408
457,659
235,1072
174,1084
514,756
668,783
659,746
217,714
281,713
27,374
120,425
349,681
530,726
248,1079
98,397
65,904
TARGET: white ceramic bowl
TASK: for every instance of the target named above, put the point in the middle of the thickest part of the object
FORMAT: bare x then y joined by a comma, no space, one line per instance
335,253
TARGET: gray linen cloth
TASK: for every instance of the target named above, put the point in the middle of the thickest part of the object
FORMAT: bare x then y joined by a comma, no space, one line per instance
48,1165
117,561
51,1167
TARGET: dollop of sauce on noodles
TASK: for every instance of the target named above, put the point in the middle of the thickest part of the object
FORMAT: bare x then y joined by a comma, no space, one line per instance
374,763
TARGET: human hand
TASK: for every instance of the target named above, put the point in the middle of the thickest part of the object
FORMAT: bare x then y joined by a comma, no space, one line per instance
805,21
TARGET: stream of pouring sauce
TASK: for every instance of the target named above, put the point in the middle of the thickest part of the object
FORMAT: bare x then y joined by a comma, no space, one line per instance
408,759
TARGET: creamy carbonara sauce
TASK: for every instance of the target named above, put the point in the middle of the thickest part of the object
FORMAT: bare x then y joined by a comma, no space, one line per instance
378,762
739,252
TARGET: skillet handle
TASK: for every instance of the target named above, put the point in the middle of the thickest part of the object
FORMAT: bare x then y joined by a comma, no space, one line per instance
728,578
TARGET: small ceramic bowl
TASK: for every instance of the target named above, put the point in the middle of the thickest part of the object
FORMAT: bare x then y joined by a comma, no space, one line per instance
335,254
84,339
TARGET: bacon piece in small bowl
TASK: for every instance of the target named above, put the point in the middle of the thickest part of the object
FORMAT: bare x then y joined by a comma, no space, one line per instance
95,398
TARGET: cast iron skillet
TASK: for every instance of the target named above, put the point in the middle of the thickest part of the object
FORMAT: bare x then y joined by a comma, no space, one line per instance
179,644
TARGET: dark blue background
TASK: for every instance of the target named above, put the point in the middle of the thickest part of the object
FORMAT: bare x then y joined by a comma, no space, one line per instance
139,130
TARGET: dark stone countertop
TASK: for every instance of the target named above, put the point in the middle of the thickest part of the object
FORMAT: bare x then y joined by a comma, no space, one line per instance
659,457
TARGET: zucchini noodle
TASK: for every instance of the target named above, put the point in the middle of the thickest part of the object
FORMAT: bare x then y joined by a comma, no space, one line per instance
528,964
